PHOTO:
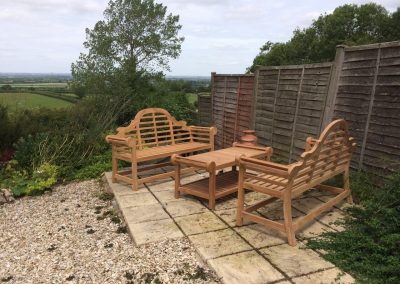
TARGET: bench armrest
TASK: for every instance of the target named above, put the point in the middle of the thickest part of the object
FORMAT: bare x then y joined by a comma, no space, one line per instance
262,166
203,134
121,141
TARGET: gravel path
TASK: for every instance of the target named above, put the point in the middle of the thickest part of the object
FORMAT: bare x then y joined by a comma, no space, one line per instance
71,235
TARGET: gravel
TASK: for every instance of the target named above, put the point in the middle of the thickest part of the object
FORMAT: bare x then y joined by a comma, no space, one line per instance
71,235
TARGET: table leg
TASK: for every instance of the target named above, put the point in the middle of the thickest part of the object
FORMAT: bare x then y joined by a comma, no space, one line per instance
211,185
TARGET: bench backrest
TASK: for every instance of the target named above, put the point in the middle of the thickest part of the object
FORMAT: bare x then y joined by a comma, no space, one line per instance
325,157
153,127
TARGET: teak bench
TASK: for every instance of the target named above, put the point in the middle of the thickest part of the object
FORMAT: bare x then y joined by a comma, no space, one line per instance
152,135
323,159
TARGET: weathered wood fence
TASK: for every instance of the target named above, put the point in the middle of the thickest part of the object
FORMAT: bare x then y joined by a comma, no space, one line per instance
368,97
231,106
290,105
286,104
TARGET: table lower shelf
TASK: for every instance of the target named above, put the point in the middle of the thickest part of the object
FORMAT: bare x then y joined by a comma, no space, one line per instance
226,183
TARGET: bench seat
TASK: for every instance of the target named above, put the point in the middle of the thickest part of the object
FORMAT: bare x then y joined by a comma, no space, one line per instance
164,151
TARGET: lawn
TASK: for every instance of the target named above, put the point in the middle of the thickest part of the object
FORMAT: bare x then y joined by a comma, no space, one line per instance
30,101
192,98
38,85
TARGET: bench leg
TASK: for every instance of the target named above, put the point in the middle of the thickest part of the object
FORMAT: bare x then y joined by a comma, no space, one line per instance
177,180
287,213
240,204
346,186
114,167
134,177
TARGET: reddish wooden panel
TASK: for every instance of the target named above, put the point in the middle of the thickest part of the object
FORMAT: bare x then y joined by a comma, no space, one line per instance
232,97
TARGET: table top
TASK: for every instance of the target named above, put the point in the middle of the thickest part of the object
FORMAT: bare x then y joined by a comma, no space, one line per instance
227,157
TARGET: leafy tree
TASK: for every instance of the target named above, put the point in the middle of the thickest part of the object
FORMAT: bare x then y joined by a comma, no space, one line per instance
348,24
136,38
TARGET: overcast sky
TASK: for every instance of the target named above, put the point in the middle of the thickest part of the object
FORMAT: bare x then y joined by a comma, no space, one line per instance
220,35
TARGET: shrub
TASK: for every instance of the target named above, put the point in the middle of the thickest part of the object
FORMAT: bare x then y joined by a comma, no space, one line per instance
94,167
21,183
369,248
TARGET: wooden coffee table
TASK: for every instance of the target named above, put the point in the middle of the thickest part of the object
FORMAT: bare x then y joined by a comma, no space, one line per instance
216,185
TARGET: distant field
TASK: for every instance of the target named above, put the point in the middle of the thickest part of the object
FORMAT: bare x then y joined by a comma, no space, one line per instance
37,85
192,98
17,101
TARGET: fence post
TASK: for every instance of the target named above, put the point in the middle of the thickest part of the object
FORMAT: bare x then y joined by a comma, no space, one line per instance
212,97
333,86
254,98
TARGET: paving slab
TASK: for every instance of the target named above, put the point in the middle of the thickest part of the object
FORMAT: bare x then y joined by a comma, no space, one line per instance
313,229
317,193
227,202
200,223
154,231
165,196
191,178
329,276
233,252
167,184
229,216
306,204
260,236
183,207
274,211
145,213
120,189
253,197
219,243
295,261
246,267
331,218
140,199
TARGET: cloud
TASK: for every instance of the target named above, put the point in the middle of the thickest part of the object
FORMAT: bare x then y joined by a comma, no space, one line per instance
56,6
221,35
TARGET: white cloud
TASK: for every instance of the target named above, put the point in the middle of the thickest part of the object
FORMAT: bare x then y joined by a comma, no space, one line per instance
221,35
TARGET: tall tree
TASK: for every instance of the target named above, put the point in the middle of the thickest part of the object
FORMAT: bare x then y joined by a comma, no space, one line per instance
136,37
348,24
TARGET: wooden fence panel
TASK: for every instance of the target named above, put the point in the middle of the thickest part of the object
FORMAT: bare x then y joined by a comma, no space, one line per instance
231,106
290,105
368,98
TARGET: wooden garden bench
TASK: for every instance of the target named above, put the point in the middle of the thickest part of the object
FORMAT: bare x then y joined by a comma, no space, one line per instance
153,135
323,159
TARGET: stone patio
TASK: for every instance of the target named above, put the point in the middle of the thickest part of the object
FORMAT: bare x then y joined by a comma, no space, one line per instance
248,254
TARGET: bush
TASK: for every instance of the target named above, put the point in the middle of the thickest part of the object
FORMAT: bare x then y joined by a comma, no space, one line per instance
94,167
369,248
73,140
21,183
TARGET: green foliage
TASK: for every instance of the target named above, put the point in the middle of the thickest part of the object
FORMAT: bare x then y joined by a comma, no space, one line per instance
94,167
369,248
21,183
6,87
348,24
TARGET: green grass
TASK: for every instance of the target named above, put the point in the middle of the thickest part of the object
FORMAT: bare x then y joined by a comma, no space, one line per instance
37,85
16,101
192,98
